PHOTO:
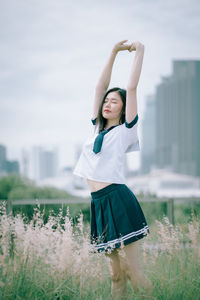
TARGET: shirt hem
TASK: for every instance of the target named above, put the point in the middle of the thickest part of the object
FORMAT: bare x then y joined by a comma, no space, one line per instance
100,180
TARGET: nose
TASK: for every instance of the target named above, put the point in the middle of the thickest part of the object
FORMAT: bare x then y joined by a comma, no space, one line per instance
107,104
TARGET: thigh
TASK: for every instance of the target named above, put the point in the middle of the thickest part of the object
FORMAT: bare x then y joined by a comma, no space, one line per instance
130,256
134,269
114,260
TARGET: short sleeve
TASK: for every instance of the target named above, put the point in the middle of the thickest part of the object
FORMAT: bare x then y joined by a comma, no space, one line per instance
96,127
129,136
94,121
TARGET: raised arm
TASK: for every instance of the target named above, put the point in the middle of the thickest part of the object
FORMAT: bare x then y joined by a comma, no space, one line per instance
131,101
105,76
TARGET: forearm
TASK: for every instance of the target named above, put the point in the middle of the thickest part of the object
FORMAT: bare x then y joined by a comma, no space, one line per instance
136,68
104,79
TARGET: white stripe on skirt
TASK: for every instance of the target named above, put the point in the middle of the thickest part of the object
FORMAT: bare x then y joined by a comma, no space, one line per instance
123,238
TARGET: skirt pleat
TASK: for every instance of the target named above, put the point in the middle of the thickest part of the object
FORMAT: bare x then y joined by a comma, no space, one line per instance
116,218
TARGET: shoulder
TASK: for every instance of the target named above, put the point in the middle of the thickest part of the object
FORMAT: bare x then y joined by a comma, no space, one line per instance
131,126
94,121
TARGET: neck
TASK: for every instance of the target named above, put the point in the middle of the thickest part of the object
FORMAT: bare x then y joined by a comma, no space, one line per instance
110,123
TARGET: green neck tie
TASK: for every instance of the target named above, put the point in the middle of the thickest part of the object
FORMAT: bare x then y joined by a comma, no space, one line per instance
99,140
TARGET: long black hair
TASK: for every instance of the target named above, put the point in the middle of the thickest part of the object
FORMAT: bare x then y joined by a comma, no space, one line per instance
100,119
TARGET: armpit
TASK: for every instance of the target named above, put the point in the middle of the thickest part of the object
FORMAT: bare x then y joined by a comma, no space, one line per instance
132,123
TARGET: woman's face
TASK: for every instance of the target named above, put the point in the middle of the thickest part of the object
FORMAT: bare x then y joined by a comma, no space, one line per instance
112,106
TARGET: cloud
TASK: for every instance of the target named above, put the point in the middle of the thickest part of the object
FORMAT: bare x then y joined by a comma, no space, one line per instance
52,53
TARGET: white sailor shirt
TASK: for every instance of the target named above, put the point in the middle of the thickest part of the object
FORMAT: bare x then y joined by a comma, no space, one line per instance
108,164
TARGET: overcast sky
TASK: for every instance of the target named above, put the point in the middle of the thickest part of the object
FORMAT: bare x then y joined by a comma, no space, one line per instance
52,53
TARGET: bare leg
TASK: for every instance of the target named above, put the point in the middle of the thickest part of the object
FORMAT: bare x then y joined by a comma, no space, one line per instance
131,259
118,277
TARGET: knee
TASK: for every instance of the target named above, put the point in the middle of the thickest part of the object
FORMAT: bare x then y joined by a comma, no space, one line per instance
128,274
134,274
118,276
115,277
138,278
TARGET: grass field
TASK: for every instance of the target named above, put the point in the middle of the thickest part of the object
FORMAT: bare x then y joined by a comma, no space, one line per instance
53,261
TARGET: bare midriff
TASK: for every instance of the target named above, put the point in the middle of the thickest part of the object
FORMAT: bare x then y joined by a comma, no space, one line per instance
97,185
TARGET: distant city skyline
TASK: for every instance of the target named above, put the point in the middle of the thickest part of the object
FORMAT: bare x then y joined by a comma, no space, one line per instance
52,53
7,166
171,124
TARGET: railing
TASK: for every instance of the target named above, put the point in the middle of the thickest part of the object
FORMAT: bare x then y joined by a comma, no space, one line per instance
170,202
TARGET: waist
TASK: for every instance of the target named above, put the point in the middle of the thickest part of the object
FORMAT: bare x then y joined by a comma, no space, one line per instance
106,190
97,185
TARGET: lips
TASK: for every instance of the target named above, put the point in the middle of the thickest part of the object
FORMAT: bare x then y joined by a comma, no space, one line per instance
106,110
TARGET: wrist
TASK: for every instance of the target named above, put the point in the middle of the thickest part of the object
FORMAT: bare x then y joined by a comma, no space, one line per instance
114,51
139,46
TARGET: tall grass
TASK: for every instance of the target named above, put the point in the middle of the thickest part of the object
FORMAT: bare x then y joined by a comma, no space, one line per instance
54,260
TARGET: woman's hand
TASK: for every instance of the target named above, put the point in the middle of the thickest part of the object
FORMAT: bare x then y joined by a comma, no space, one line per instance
121,46
135,45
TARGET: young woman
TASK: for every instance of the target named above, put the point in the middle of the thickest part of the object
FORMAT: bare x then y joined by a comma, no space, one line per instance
117,220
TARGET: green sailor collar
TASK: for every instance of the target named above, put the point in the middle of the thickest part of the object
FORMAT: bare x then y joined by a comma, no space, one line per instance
99,139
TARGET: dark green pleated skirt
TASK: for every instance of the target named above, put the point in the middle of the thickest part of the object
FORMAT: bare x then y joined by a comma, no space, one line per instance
116,218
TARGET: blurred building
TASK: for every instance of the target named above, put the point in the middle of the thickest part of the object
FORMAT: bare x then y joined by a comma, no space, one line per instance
2,156
25,161
176,110
78,182
7,166
44,163
148,158
164,183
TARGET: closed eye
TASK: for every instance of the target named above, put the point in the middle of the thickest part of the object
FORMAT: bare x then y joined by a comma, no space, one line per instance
113,101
